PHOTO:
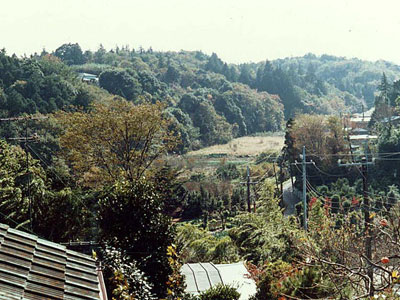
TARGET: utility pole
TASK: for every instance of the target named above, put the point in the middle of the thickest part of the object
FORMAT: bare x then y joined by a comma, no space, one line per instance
389,111
362,106
367,220
249,183
281,178
276,177
304,163
25,140
248,189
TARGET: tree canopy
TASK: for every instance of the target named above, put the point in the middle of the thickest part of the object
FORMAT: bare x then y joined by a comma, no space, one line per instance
115,140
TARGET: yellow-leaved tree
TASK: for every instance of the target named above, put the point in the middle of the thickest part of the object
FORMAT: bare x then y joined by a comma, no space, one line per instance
115,140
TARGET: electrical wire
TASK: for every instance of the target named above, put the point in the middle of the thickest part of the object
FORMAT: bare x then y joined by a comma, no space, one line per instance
15,222
361,205
327,174
80,200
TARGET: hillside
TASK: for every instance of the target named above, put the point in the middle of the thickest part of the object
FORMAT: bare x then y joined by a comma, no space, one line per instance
210,101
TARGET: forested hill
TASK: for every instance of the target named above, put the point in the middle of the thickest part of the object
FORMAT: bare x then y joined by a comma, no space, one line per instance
358,77
209,100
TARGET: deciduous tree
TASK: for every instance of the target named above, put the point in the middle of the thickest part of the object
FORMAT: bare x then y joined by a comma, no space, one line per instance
115,140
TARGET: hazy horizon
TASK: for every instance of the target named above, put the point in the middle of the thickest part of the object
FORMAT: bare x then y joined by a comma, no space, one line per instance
238,32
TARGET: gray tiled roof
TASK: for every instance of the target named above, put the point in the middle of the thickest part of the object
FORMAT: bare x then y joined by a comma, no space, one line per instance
33,269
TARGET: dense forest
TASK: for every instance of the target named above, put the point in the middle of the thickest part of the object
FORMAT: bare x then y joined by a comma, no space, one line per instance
234,100
109,161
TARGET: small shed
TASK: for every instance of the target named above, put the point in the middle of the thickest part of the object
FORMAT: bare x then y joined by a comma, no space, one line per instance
200,277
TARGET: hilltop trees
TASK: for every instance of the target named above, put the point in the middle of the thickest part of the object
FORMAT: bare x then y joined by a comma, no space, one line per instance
70,54
120,83
37,85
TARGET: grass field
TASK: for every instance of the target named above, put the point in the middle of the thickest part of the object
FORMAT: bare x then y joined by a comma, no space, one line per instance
247,145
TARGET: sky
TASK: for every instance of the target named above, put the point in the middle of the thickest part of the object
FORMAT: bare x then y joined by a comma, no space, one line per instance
238,31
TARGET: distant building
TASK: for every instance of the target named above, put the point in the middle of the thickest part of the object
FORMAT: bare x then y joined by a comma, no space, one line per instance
199,277
89,78
393,119
359,131
359,139
361,120
32,268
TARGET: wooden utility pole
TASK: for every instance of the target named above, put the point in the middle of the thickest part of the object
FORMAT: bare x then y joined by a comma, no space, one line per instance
248,190
281,178
303,164
367,219
249,183
276,177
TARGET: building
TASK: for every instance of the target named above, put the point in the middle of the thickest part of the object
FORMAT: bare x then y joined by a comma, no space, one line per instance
200,277
90,78
359,139
360,120
32,268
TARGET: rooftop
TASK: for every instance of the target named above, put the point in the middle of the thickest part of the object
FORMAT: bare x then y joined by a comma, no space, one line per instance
363,137
200,277
32,268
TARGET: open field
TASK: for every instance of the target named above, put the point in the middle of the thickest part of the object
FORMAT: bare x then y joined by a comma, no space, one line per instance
244,146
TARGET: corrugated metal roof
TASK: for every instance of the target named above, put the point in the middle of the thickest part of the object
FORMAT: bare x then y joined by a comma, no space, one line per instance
33,269
201,276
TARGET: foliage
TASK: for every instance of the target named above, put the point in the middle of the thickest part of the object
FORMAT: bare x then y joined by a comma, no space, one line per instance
114,140
198,245
280,280
388,166
267,235
220,291
125,280
335,245
120,82
131,218
14,190
324,142
70,54
228,172
175,283
31,85
21,186
249,97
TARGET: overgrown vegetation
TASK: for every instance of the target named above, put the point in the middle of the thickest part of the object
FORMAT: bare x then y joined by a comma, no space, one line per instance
107,165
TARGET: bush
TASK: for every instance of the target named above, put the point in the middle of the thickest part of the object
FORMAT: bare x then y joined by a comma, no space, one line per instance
220,292
300,282
228,172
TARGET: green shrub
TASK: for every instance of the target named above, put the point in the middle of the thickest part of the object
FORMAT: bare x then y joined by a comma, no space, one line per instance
228,172
220,292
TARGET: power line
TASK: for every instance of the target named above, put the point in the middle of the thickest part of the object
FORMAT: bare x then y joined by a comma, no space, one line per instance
367,218
80,200
15,222
328,174
26,139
